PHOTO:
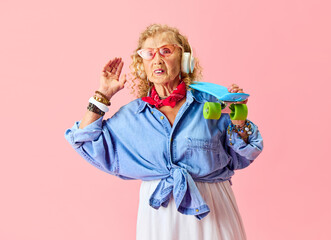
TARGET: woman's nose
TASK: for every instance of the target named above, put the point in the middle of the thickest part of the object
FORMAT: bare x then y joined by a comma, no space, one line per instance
157,58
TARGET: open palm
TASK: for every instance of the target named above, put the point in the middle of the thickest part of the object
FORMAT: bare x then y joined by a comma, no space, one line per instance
110,81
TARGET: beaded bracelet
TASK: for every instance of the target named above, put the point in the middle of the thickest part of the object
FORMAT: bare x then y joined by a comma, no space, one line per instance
102,100
106,100
247,127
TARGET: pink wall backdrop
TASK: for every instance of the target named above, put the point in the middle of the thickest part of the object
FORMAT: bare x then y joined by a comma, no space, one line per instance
51,56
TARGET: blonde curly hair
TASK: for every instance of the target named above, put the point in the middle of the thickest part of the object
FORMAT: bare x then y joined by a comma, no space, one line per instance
139,81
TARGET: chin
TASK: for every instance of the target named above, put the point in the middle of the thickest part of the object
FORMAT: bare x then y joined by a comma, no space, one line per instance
163,79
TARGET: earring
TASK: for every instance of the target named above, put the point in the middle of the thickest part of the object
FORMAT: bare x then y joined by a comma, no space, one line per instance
180,76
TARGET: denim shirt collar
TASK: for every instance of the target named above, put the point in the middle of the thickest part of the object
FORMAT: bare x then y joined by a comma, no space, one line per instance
190,96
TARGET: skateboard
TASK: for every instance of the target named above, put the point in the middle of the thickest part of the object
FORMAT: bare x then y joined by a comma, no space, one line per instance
227,102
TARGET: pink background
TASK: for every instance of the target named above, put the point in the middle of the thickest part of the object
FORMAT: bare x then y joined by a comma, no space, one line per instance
51,57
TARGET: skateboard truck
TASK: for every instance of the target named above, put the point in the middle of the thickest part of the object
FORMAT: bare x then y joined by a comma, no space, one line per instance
213,110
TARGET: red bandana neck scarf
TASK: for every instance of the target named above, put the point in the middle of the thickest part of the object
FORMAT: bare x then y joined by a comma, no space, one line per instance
176,95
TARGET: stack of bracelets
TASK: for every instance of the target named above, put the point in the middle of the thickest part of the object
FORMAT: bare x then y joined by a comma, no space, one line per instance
98,104
247,128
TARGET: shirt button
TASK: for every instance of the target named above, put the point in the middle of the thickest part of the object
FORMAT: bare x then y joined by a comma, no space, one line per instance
197,210
152,112
161,117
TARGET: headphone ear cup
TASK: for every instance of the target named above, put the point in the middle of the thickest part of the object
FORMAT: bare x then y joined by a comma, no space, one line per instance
186,62
192,64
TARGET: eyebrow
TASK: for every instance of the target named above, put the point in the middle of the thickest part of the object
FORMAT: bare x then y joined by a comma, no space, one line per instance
162,45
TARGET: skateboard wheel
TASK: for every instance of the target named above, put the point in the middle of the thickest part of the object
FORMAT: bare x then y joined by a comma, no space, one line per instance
238,112
212,110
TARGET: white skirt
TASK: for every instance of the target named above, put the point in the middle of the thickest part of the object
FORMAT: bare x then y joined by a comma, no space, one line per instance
222,223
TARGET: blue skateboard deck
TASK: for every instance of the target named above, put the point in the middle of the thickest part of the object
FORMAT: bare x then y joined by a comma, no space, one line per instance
220,92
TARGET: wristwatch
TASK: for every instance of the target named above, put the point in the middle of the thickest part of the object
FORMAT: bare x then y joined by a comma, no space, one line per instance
93,108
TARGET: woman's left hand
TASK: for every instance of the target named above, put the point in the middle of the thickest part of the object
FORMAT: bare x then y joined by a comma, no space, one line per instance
234,88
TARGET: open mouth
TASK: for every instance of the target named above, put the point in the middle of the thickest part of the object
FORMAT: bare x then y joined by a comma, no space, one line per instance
159,71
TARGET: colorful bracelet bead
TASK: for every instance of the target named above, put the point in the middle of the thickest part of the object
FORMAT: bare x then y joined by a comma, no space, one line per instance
233,128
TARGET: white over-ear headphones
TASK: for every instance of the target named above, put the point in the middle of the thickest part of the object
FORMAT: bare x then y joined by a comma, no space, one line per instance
188,61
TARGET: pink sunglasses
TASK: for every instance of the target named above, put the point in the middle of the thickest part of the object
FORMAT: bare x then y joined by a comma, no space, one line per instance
165,51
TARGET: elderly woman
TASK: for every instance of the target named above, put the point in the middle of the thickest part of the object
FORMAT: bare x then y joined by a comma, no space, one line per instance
185,162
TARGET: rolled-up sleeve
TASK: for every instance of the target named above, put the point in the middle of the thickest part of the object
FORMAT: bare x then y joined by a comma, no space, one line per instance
242,154
95,144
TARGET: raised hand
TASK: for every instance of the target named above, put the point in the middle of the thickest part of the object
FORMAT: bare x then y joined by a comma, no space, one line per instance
111,81
234,88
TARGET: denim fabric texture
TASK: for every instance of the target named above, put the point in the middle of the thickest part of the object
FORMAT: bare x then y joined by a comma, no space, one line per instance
138,142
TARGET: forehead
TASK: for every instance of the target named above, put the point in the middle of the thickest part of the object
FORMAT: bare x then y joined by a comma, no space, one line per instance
159,40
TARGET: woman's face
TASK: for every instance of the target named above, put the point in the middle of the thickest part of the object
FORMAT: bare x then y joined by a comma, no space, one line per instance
171,64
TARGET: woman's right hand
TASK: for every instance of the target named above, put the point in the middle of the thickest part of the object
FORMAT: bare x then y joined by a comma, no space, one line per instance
110,81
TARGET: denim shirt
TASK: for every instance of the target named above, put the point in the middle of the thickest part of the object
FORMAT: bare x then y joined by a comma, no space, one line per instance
138,142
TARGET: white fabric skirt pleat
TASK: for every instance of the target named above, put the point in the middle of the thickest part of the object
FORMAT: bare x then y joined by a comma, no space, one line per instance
222,223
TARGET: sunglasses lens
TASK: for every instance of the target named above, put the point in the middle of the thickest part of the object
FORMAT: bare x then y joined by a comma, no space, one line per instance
147,53
167,50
